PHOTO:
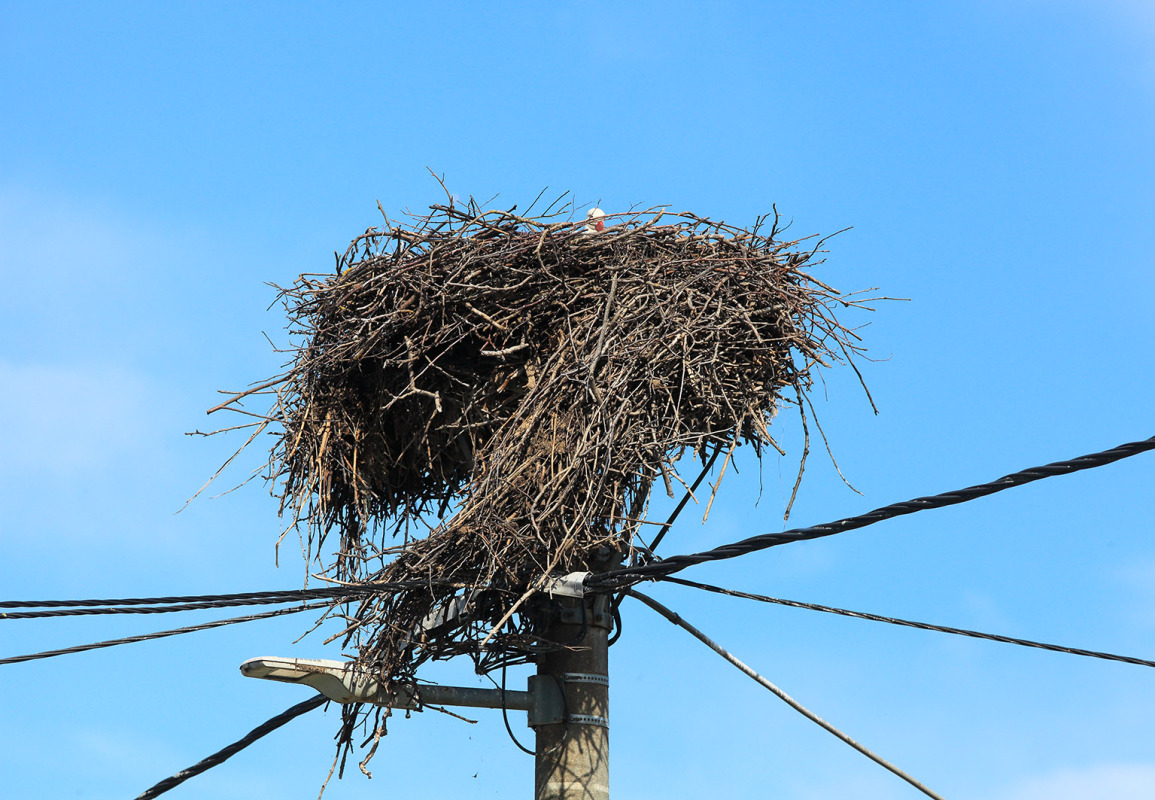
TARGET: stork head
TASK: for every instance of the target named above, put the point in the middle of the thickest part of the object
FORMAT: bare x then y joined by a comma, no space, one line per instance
594,221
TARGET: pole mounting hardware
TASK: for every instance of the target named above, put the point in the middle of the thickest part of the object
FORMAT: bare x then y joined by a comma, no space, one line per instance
571,585
585,677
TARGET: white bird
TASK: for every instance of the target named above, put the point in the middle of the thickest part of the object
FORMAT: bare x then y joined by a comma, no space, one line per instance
594,221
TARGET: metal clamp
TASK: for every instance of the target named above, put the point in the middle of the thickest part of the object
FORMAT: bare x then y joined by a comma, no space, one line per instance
585,677
571,585
593,611
445,613
549,704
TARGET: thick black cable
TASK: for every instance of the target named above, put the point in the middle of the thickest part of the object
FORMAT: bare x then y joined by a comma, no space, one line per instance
298,594
216,600
617,616
221,755
925,626
505,718
159,634
616,601
685,499
86,612
628,576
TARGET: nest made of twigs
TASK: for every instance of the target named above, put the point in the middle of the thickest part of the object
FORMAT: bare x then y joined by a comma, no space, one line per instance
523,382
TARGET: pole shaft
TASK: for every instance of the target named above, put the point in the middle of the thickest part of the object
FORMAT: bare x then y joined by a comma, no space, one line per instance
572,758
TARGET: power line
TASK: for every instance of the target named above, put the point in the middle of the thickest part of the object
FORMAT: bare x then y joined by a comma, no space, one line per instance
790,701
633,574
685,499
158,635
505,718
920,625
75,612
237,598
221,755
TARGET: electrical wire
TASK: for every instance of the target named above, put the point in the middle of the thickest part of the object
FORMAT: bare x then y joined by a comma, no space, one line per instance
616,601
160,634
86,612
505,718
630,575
222,755
617,616
685,499
908,623
790,701
296,594
191,602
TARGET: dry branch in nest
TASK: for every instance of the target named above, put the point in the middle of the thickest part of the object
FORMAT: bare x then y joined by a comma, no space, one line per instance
525,382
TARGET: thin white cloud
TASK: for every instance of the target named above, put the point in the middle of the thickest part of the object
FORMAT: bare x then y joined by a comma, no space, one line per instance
1116,781
53,246
986,612
1136,12
61,419
1139,577
1135,20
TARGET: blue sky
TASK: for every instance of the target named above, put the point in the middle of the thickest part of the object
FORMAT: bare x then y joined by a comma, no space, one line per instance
161,163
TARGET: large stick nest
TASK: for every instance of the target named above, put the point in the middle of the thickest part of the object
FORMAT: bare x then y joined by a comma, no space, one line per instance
522,383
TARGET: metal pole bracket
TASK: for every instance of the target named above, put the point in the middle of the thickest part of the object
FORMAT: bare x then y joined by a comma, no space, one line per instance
549,706
571,585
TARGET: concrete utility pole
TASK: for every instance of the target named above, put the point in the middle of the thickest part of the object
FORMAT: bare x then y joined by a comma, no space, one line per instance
572,752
